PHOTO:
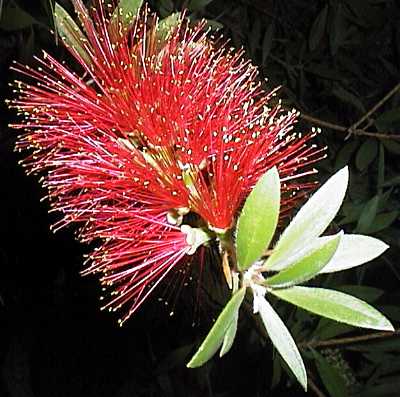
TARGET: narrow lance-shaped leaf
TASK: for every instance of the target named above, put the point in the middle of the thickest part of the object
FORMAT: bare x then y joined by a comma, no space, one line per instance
354,250
368,214
124,16
311,220
216,335
70,33
282,339
336,306
166,26
258,220
229,336
308,266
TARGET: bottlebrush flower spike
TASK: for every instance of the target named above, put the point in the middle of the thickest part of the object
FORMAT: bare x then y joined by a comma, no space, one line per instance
151,134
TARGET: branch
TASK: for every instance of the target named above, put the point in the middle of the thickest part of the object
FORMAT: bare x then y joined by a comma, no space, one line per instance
350,340
375,108
355,131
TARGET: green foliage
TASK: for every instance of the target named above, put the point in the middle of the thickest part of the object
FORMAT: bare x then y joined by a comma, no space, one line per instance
354,250
308,266
300,264
258,220
167,25
333,67
229,335
216,336
282,339
125,13
312,219
70,33
335,305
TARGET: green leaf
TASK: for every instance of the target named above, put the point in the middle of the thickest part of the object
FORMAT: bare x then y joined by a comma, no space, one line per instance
308,266
312,219
258,219
167,25
368,215
229,336
382,221
330,376
70,33
217,333
124,15
354,250
282,339
335,305
328,328
318,29
366,154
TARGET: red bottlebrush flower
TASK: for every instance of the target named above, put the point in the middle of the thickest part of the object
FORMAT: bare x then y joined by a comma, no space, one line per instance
154,132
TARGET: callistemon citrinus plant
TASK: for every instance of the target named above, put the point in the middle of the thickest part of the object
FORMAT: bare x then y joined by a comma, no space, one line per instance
153,148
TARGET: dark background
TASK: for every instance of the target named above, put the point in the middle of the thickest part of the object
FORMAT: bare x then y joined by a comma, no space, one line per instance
335,60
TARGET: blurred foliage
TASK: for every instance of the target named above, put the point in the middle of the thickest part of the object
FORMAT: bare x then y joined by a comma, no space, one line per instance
335,60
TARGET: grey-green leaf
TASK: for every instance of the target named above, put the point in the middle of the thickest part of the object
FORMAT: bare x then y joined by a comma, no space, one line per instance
311,220
354,250
166,26
282,340
125,13
70,33
216,335
229,336
335,305
308,266
258,219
